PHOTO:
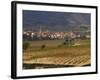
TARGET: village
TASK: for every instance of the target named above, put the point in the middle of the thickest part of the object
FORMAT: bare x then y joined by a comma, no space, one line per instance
51,35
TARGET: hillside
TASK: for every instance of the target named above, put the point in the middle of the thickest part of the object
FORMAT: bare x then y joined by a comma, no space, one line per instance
54,21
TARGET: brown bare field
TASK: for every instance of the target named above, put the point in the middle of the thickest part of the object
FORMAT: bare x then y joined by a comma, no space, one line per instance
75,55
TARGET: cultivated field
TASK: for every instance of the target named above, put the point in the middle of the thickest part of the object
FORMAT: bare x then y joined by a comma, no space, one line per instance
53,53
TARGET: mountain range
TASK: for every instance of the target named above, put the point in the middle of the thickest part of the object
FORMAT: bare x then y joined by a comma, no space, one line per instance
55,21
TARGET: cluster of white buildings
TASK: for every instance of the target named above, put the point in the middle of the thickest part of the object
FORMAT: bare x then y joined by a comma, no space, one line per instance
48,35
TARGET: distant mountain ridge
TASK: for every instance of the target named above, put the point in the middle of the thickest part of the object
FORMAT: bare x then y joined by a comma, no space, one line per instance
54,21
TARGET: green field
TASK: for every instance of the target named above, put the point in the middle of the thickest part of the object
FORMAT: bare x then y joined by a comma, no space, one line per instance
55,52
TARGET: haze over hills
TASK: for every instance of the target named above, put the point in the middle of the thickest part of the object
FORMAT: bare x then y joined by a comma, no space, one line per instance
54,21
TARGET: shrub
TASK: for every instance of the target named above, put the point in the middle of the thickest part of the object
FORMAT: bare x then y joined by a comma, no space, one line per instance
26,45
43,46
64,43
